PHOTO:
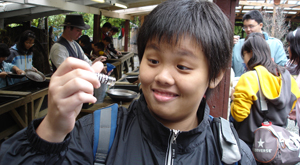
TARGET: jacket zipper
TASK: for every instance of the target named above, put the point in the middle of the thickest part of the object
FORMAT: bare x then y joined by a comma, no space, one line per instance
171,152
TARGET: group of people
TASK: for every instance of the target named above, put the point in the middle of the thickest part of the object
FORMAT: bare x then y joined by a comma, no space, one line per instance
104,47
181,61
262,65
73,44
16,59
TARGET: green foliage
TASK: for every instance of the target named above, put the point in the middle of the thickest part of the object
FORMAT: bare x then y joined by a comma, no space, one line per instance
14,25
57,20
294,26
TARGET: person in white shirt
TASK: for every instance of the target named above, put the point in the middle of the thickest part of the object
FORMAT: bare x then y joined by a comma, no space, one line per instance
66,46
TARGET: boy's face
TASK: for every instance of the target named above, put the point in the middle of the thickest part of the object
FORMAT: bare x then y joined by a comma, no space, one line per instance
174,80
96,49
105,42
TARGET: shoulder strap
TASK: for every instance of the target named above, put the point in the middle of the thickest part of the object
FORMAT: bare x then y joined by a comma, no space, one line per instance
262,99
105,124
227,140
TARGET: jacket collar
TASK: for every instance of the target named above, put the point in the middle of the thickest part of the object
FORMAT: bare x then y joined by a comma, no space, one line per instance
159,135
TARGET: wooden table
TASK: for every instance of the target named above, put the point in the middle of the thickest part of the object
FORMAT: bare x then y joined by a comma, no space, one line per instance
23,109
122,64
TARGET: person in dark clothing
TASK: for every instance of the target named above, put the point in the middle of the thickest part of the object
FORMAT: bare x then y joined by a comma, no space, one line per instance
5,67
98,50
180,61
111,46
107,41
86,45
105,28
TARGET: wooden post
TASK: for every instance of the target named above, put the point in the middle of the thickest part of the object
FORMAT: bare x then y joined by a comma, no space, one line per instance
126,35
96,31
218,100
142,18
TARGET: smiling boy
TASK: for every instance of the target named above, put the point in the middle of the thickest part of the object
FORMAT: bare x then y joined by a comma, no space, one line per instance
182,55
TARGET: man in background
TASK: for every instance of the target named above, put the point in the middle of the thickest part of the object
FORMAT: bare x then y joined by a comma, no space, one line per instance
66,45
253,22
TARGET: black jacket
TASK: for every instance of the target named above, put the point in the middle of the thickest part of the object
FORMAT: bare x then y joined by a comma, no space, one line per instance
140,139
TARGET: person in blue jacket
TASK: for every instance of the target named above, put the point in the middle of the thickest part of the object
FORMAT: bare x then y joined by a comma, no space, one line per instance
183,54
21,54
253,22
5,67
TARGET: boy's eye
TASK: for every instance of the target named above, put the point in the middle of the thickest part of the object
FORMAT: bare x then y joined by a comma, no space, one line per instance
153,61
182,67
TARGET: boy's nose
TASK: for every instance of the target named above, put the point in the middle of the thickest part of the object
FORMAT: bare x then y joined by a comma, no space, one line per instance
165,77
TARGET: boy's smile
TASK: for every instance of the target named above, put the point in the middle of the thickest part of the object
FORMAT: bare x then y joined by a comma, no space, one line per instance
163,95
174,79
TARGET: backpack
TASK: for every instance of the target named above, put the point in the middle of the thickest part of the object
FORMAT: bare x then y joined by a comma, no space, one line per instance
274,144
105,124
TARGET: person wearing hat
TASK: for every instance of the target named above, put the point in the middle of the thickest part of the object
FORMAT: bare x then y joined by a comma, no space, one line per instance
66,46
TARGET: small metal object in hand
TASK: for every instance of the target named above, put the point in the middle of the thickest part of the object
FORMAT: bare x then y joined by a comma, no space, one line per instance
105,79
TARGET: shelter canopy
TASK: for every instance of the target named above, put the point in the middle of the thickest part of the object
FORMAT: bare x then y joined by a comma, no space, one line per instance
291,8
16,11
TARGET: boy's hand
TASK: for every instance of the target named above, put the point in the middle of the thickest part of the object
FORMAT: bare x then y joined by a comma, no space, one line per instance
101,59
19,71
119,53
3,74
71,85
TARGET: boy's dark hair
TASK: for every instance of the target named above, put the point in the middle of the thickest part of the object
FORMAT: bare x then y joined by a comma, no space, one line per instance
108,39
28,34
254,14
261,53
293,38
100,45
85,39
107,24
114,29
4,50
201,20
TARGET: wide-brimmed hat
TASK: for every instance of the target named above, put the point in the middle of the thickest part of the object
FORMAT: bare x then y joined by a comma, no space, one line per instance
75,20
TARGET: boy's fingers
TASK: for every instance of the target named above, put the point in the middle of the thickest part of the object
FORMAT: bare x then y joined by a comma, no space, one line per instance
97,66
70,64
74,86
75,74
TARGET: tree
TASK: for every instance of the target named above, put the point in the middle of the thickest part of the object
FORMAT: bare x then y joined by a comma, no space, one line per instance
275,24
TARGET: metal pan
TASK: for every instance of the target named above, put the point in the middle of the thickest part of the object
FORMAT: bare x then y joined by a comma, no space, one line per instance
132,79
35,75
13,75
121,94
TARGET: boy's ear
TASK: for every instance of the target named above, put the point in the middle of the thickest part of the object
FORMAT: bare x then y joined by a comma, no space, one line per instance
217,80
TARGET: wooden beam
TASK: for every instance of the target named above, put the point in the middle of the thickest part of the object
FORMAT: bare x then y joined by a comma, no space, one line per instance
246,3
60,4
148,3
240,12
115,14
16,93
20,122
